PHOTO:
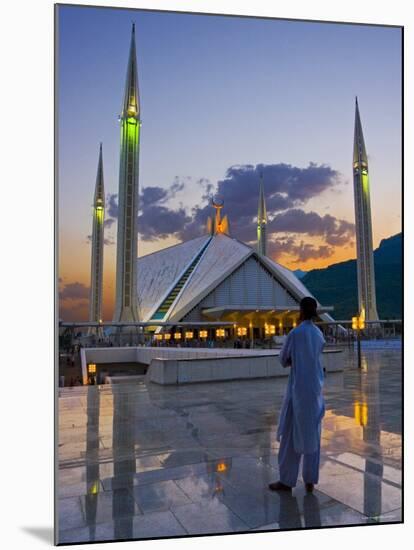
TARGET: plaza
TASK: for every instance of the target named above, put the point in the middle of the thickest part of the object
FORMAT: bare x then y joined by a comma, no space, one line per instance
139,460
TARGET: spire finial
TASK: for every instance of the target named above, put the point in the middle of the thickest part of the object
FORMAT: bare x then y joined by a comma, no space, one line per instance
131,98
360,155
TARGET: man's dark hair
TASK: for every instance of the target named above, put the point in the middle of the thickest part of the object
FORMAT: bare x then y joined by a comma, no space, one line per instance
308,307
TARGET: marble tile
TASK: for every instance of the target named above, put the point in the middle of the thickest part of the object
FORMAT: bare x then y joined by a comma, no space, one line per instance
211,450
393,516
268,527
209,517
363,492
70,513
156,524
109,505
339,514
159,496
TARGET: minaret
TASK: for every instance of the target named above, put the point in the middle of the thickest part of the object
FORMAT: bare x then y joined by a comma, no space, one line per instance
95,296
261,221
365,257
126,253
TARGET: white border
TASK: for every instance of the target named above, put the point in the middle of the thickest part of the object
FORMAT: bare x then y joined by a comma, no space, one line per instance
26,46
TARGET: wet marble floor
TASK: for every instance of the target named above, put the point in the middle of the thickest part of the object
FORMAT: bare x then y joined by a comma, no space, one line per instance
141,462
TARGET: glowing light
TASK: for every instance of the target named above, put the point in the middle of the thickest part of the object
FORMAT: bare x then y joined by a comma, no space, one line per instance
158,336
221,467
99,213
220,333
202,334
91,368
94,488
365,182
361,413
358,322
177,335
189,334
270,329
241,331
167,336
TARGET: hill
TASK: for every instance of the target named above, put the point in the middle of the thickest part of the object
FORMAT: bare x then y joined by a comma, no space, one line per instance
337,284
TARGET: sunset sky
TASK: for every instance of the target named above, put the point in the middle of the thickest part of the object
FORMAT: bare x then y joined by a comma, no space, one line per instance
223,99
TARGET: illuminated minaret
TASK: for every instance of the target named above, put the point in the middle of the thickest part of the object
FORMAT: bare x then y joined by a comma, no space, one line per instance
261,221
126,253
365,257
95,296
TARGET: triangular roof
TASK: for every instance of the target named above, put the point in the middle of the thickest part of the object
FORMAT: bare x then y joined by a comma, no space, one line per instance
158,272
222,256
215,258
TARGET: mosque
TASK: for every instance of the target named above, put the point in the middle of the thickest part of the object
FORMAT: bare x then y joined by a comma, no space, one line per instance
214,280
218,278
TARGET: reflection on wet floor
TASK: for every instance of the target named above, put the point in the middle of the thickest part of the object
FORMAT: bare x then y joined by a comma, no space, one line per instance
141,462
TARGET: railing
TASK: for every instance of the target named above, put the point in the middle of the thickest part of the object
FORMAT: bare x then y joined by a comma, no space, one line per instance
75,336
210,334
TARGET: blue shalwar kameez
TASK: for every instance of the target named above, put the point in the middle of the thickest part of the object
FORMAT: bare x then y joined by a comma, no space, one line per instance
299,430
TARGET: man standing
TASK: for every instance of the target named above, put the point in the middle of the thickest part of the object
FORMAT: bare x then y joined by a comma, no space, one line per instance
299,430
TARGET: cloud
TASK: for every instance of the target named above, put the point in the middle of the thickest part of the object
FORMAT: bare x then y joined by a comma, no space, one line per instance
112,205
155,220
287,189
302,251
335,232
108,222
160,222
108,241
74,291
286,186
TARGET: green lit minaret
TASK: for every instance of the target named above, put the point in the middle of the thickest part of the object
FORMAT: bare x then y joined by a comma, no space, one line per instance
127,239
98,212
363,224
261,221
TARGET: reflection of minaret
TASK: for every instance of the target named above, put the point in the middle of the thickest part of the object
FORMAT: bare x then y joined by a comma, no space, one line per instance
95,296
365,256
123,449
261,221
126,259
367,412
92,459
372,435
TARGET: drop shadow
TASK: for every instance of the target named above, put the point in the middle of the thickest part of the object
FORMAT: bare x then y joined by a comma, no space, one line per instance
44,534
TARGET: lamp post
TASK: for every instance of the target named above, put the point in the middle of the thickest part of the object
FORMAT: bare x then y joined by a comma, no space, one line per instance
358,324
91,373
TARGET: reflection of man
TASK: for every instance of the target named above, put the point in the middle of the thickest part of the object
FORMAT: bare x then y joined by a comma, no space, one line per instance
299,428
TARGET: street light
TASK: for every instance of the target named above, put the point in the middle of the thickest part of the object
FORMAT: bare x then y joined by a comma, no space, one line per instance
91,368
358,324
91,373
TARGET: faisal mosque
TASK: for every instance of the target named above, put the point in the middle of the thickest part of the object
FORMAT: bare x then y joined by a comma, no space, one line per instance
214,278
